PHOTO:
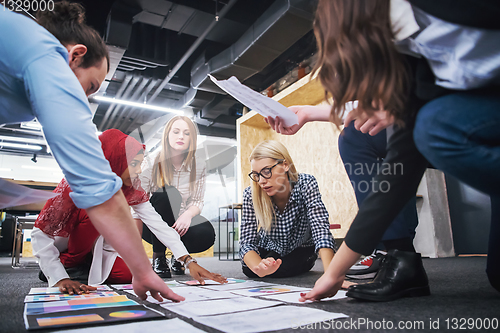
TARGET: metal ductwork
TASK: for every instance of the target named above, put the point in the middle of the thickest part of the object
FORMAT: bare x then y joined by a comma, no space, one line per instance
282,25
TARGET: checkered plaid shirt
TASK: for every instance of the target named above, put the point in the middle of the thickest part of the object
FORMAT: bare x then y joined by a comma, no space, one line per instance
304,222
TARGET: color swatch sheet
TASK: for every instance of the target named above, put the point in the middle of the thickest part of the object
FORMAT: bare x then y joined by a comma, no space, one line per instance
218,306
174,325
192,294
170,284
90,316
77,304
242,285
294,297
67,297
267,290
55,290
264,320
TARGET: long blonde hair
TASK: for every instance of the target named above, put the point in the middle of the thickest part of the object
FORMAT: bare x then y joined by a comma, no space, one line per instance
262,203
163,169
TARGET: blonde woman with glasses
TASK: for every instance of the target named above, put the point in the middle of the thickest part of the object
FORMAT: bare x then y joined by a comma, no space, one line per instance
284,221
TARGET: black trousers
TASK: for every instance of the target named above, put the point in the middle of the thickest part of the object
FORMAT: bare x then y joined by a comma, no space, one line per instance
299,261
200,235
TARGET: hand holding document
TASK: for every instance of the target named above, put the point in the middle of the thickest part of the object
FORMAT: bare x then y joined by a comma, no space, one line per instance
255,101
12,194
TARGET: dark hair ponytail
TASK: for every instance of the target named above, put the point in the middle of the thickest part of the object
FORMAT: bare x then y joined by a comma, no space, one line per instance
67,23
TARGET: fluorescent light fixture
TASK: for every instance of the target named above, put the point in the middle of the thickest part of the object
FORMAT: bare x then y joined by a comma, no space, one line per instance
34,124
23,140
5,169
36,167
137,104
20,146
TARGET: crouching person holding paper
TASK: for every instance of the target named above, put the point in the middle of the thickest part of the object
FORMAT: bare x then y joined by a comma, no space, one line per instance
284,221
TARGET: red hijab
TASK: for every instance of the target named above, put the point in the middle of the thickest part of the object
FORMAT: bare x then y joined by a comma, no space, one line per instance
60,215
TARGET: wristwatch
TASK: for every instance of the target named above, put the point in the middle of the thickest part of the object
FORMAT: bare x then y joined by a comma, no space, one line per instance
188,261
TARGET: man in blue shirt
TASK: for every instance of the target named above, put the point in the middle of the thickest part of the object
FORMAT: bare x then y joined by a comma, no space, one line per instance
36,82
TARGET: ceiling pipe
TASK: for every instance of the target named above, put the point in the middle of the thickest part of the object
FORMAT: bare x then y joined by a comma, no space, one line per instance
148,89
189,52
118,122
126,94
110,109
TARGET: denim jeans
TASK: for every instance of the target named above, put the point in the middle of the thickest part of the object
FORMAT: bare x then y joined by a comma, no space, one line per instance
363,155
460,135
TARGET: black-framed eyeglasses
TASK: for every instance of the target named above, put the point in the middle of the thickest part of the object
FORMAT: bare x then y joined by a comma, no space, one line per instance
266,172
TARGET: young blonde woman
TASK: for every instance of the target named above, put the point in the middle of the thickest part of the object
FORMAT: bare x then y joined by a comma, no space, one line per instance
175,180
284,221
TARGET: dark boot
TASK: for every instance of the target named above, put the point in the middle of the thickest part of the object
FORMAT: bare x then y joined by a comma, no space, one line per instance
177,267
160,266
401,274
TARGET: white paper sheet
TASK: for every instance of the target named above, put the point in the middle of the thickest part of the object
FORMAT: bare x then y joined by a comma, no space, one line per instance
255,101
12,194
153,326
218,306
242,285
170,284
294,297
267,290
192,295
278,318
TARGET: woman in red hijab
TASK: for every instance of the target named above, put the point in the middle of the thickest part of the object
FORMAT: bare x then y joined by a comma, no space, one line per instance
64,238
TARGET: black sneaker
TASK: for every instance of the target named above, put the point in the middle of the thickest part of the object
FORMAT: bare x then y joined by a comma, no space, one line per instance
177,267
368,267
160,266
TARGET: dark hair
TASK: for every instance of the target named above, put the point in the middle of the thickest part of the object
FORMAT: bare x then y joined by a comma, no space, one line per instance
67,23
357,59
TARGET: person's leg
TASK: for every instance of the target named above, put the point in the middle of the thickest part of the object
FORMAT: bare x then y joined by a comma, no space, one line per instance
167,204
200,235
120,273
459,134
363,157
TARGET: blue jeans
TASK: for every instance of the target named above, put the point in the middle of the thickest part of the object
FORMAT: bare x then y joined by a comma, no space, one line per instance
460,135
362,155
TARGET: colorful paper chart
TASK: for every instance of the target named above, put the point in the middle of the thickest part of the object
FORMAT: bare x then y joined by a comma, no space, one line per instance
55,290
266,290
77,304
67,297
90,316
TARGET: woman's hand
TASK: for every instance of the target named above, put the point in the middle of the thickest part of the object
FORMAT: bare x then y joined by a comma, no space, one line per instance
71,287
182,224
277,123
324,287
199,273
267,266
371,124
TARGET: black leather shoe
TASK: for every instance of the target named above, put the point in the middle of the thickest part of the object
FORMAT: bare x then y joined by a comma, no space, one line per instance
401,274
177,267
160,266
